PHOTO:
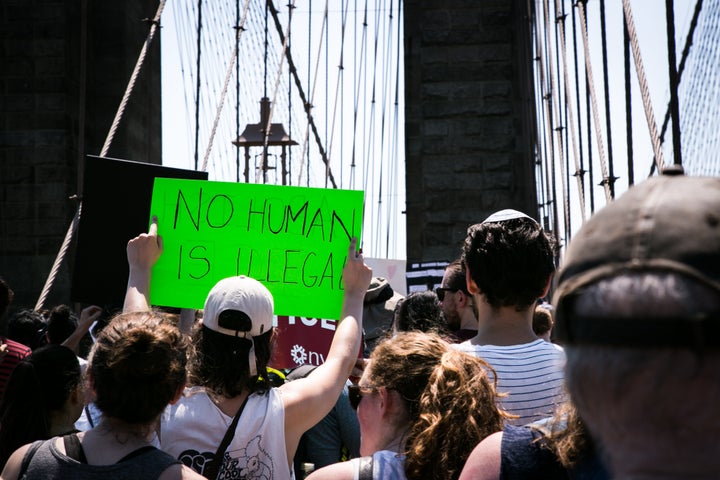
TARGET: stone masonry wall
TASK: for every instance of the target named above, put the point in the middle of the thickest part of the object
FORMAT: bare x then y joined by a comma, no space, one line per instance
468,129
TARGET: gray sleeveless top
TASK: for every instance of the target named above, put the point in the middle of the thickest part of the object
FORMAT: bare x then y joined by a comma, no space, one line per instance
48,463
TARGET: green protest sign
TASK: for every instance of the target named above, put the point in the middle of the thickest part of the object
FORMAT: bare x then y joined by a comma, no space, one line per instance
292,239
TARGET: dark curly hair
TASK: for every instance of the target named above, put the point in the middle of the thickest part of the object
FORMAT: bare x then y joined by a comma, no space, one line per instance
420,311
510,261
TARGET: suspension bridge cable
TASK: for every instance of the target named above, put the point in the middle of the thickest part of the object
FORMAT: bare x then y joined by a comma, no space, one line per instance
571,120
548,135
563,92
277,80
673,75
588,120
228,76
338,96
580,173
325,103
314,83
393,203
606,86
373,113
358,69
289,93
237,92
593,102
301,93
197,94
60,257
628,106
554,98
644,90
681,68
309,77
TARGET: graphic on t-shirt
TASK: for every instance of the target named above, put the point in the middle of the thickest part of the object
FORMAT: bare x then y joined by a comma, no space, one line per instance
251,462
196,460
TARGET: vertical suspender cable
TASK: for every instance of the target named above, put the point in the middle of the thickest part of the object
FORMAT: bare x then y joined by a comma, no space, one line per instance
561,127
228,75
681,68
554,97
289,92
628,106
327,87
593,102
197,87
608,123
588,114
237,92
571,121
579,172
672,71
307,105
644,90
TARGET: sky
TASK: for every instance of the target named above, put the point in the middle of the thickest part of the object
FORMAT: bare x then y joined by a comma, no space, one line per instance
649,16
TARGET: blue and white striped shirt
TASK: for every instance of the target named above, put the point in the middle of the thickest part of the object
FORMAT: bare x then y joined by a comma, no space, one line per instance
532,374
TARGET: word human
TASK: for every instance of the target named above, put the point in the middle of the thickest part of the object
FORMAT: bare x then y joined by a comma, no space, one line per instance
268,216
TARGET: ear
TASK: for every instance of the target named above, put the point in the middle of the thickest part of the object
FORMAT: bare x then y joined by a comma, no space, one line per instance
178,394
385,401
471,285
89,391
547,286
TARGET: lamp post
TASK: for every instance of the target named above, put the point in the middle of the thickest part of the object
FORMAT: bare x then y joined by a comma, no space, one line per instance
255,135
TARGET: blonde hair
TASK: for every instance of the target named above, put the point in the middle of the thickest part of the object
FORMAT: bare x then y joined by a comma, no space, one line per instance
449,397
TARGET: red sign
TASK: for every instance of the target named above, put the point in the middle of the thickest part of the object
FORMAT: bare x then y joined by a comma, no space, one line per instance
301,341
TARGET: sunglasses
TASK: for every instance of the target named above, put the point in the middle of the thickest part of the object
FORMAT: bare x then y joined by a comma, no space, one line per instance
440,292
355,393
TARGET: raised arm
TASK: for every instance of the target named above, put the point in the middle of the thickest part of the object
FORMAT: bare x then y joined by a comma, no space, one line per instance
308,400
87,318
142,253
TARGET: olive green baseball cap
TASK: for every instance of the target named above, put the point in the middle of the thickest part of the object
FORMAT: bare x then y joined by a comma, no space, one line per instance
668,223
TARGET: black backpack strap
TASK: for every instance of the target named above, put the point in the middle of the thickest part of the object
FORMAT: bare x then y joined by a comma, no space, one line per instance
366,468
28,457
213,467
73,448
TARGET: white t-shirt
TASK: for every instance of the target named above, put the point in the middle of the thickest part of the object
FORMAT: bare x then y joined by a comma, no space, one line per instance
532,374
192,429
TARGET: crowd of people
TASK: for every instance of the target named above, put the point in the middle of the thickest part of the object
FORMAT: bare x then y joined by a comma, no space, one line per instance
510,368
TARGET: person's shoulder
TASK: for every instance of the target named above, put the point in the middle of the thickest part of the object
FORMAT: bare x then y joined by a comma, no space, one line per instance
484,461
11,471
465,346
17,349
336,471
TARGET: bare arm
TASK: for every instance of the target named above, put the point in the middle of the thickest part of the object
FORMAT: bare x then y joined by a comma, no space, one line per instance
12,466
87,318
336,471
142,253
308,400
484,461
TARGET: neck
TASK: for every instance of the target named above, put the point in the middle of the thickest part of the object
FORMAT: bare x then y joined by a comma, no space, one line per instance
60,424
503,326
468,320
228,405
